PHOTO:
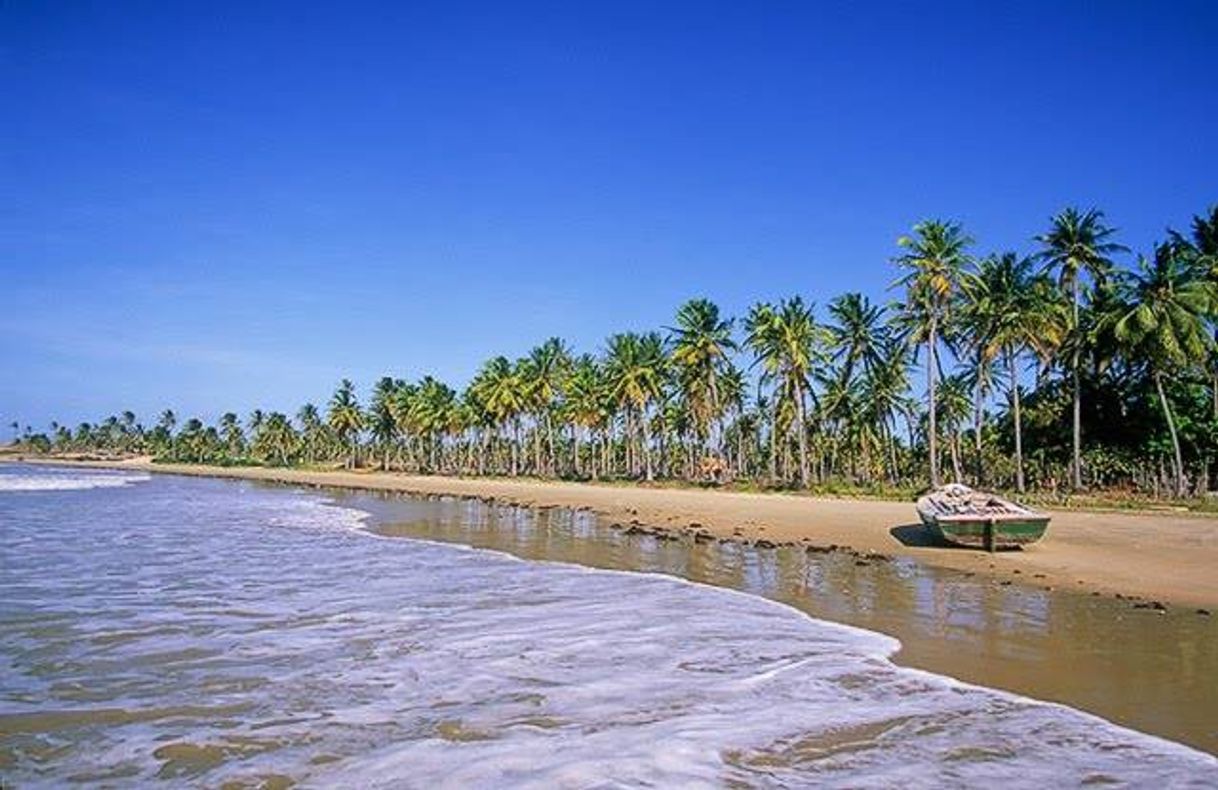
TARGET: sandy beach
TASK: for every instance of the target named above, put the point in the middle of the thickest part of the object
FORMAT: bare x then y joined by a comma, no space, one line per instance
1168,558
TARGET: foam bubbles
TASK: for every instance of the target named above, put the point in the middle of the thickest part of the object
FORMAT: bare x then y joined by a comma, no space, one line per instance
26,478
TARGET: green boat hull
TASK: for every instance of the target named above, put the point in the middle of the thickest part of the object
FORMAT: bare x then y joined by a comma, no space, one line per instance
1000,534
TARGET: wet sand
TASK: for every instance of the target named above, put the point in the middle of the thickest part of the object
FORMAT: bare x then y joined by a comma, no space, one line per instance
1168,559
1149,670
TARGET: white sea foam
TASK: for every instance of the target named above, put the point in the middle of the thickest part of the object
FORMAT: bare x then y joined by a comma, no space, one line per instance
55,479
607,678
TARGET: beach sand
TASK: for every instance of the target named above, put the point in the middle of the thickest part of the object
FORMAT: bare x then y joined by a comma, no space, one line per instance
1170,558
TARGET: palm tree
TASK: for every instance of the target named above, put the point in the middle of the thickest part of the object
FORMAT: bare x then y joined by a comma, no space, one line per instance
1162,323
701,341
1077,245
858,333
1201,249
935,256
380,416
785,341
883,395
635,367
276,439
585,405
346,419
1008,312
256,418
954,404
1201,246
499,388
231,434
545,371
311,430
190,440
432,413
858,336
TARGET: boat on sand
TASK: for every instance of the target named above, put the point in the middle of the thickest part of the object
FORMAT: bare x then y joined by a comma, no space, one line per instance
971,518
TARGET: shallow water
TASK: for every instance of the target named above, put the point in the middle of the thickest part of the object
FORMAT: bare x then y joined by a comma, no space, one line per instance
1146,669
204,631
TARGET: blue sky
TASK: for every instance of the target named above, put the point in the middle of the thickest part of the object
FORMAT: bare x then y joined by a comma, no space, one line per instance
225,206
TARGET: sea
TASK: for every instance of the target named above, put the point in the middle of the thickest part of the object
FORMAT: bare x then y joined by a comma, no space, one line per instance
158,629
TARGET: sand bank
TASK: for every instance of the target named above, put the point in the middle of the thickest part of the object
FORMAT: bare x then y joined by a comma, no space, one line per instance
1155,557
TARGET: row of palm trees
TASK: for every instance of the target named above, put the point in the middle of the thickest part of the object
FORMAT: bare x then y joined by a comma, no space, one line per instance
1017,352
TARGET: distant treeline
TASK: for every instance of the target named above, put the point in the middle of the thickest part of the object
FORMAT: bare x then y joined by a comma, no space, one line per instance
1074,366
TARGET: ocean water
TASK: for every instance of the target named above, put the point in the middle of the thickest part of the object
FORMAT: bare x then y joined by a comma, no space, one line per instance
203,632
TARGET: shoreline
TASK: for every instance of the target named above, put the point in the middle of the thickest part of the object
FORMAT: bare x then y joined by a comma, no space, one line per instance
1058,647
1151,560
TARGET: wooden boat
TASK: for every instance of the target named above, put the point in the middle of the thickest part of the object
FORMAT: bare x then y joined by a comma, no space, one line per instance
971,518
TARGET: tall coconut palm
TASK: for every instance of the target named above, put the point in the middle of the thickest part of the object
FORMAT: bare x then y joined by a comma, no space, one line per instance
1201,250
585,405
701,342
935,257
346,420
500,390
432,413
732,395
381,421
232,435
883,395
546,371
954,405
859,332
1162,323
785,341
1009,312
311,430
635,368
1077,246
255,420
1201,245
276,439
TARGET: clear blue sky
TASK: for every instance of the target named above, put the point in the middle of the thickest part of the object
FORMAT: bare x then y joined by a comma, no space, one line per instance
227,205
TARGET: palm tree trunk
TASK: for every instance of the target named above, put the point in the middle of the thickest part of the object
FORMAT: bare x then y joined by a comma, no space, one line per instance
515,446
1214,390
932,437
1078,401
1019,481
891,429
650,474
537,447
1175,440
631,466
803,444
740,463
774,444
978,417
551,461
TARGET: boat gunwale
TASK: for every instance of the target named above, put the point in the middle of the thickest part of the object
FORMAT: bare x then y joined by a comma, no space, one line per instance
967,517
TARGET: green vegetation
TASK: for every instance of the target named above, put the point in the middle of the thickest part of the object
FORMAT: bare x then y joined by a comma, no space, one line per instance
1055,371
